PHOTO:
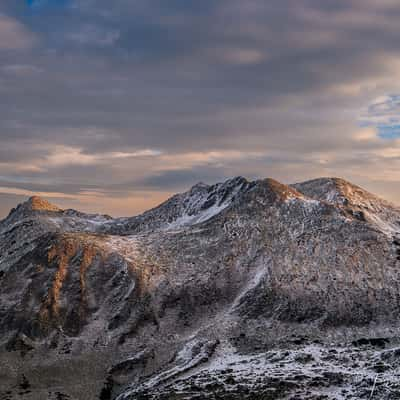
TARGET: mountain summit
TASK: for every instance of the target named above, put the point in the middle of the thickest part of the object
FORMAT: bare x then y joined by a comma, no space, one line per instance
36,203
238,290
33,205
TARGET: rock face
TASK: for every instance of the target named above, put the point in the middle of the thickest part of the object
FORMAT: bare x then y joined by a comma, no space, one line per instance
238,290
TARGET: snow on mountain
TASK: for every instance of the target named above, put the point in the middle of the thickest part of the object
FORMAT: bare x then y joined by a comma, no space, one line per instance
360,203
199,204
238,290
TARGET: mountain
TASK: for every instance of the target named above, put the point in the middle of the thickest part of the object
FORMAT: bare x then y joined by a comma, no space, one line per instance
199,204
238,290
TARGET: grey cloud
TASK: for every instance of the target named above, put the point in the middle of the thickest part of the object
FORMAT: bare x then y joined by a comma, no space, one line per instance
181,179
13,35
288,79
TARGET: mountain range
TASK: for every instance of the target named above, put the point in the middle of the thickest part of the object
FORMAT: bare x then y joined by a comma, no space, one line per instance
237,290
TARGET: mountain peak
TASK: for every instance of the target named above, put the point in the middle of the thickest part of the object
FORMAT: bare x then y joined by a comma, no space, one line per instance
200,185
335,191
282,191
37,203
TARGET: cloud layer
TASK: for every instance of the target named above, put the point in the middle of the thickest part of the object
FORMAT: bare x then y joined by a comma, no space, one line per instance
131,101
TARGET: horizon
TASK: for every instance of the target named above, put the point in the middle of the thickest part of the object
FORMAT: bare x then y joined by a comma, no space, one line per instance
54,200
113,108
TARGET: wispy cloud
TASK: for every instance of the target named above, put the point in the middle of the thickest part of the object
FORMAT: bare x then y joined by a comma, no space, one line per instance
94,35
59,156
22,69
14,35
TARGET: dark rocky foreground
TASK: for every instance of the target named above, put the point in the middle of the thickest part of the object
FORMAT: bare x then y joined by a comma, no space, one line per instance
240,290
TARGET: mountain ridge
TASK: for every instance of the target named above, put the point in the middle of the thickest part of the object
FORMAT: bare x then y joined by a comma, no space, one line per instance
240,271
340,192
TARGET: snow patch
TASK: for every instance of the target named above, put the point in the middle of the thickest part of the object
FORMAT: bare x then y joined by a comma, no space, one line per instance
127,246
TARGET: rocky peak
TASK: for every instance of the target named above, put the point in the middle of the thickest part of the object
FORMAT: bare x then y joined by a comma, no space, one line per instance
199,204
199,186
203,201
355,201
324,189
280,190
32,205
37,203
339,192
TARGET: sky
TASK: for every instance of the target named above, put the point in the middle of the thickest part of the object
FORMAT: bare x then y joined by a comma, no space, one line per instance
113,106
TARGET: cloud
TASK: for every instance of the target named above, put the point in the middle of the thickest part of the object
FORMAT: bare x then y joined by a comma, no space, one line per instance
14,35
61,155
384,114
24,192
133,98
241,56
21,69
64,155
93,35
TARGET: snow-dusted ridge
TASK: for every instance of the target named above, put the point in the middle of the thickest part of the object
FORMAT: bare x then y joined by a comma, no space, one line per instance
238,290
203,202
361,203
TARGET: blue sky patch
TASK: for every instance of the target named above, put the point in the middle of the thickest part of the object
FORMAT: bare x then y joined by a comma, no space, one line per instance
43,3
389,131
384,115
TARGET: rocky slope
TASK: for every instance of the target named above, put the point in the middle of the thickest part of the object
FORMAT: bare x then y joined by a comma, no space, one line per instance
238,290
